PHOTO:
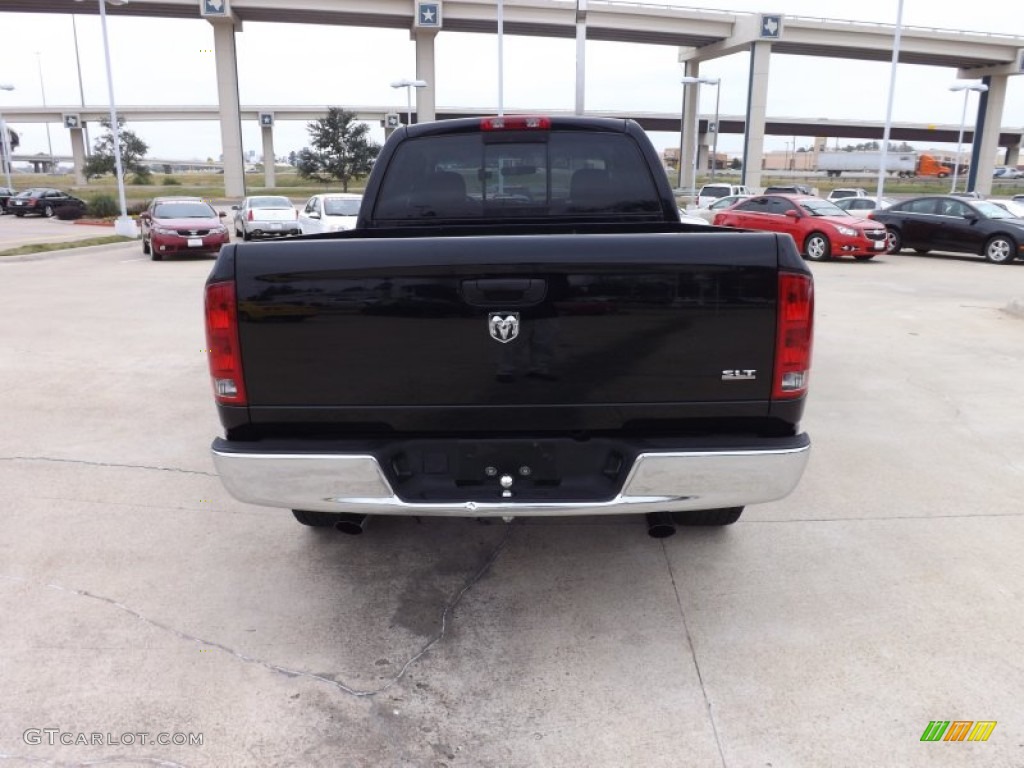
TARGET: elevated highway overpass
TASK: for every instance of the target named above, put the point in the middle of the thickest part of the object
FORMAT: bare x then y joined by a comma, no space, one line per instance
699,35
1008,138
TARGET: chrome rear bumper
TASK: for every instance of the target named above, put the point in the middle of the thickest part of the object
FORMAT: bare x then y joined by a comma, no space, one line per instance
657,482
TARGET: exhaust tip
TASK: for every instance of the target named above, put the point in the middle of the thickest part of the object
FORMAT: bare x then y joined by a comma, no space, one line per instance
660,525
352,525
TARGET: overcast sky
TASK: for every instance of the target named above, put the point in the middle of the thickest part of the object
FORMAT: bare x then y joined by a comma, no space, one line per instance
171,62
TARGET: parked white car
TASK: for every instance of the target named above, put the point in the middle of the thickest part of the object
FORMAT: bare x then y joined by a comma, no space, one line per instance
329,212
862,206
844,192
711,192
690,217
265,216
707,213
1004,172
1015,208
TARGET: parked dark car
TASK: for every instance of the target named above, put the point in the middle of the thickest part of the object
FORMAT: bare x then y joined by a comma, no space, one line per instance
182,225
42,200
947,223
6,193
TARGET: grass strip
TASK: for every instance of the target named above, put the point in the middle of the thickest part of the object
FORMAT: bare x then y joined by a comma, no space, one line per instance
25,250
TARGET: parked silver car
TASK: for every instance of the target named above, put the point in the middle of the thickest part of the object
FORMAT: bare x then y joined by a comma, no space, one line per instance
265,216
862,206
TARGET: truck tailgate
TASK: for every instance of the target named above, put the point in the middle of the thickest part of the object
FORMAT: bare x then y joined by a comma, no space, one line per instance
552,326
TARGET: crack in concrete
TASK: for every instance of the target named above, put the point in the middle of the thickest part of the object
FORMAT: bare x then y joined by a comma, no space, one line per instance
96,761
298,673
108,464
693,655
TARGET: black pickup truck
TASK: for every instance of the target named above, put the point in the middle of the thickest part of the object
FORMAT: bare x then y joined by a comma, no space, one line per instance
519,325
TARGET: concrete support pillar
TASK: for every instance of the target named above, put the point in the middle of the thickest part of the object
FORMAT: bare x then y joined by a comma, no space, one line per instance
426,110
688,137
581,54
1013,155
757,109
986,134
230,109
78,155
703,154
269,163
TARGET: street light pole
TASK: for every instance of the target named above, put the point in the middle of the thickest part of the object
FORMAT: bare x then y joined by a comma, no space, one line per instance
966,88
42,90
408,85
501,58
124,225
81,90
5,140
714,147
695,82
892,93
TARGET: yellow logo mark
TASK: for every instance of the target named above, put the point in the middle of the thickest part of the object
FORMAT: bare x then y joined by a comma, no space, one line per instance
982,730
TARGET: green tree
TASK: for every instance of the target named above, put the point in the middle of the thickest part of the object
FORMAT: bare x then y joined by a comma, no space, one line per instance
341,149
133,149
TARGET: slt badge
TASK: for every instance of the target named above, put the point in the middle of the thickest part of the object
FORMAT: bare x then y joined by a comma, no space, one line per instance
503,327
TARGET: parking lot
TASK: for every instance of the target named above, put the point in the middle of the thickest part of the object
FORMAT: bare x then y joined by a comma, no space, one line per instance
826,629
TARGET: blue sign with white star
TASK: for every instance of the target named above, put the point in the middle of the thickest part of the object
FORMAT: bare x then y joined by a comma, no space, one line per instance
771,26
428,15
213,7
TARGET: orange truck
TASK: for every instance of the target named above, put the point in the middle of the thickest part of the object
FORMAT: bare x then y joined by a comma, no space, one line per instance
904,164
929,166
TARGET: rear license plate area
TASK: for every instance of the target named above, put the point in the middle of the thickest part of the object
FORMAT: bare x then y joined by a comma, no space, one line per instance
560,469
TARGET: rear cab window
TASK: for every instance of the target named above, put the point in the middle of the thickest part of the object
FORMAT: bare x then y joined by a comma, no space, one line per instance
518,175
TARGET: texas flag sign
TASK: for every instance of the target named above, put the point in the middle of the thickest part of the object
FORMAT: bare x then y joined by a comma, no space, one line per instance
428,14
771,26
214,8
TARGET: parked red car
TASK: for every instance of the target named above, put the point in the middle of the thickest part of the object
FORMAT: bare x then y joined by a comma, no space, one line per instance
821,229
182,225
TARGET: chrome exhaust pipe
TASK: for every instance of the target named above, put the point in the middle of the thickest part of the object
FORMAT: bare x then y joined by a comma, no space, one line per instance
660,525
351,524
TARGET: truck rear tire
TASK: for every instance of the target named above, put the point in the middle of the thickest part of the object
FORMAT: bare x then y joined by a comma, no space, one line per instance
707,517
315,519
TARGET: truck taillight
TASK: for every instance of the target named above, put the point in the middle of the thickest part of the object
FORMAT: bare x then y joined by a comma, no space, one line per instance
515,123
222,344
795,336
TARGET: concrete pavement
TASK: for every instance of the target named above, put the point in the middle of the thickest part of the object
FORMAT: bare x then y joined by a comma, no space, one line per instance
826,629
30,230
